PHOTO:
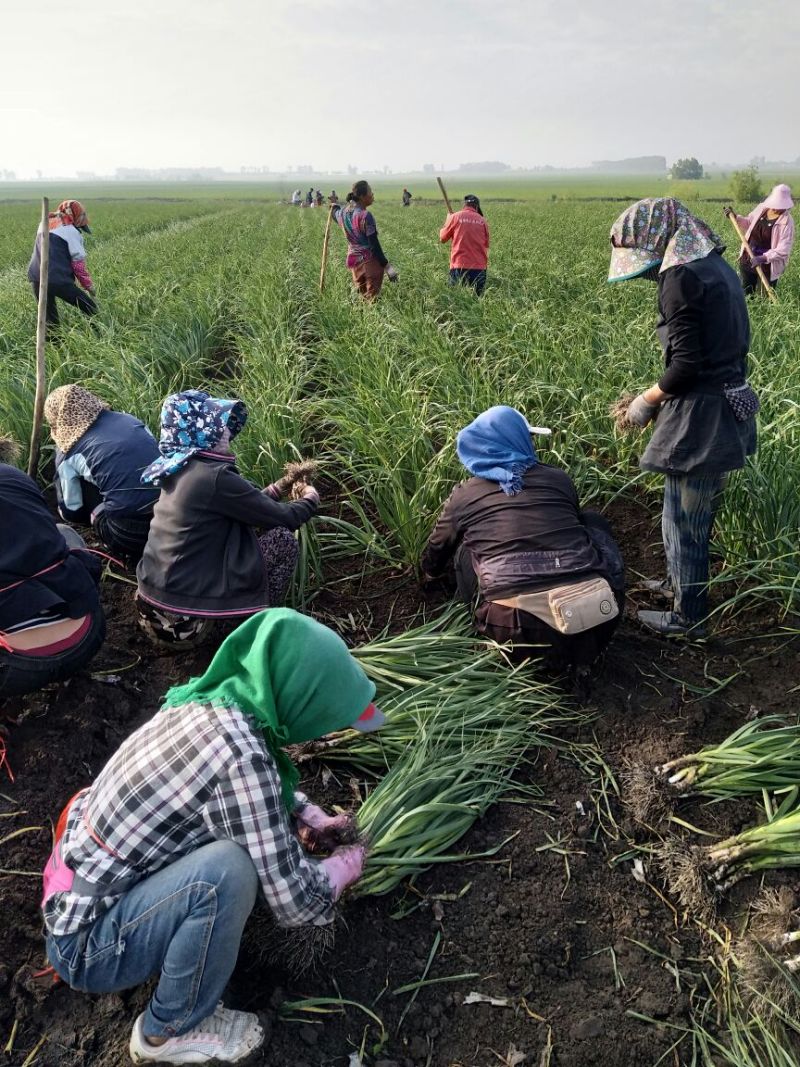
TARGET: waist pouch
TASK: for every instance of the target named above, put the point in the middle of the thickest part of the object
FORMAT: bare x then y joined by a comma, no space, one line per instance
743,400
526,568
570,609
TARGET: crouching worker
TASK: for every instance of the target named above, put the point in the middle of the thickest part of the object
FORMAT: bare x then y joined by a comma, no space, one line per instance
158,863
100,457
51,622
204,559
547,577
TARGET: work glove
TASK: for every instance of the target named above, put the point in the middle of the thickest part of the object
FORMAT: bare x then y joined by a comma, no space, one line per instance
344,867
319,832
727,211
640,412
273,491
310,493
391,273
757,261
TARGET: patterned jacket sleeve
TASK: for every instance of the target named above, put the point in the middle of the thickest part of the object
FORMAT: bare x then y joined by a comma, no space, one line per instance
247,807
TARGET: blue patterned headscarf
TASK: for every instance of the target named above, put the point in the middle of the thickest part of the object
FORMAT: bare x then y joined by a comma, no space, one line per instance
190,422
497,446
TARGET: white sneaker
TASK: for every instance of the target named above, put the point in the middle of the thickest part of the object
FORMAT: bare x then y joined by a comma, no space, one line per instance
225,1037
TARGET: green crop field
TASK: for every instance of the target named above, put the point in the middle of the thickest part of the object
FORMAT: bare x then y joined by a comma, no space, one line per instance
218,288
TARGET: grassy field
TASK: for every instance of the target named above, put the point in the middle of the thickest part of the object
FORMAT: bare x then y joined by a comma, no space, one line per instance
222,292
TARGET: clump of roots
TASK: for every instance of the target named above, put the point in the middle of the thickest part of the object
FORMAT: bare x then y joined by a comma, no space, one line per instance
685,871
767,955
296,476
302,950
9,449
619,413
646,794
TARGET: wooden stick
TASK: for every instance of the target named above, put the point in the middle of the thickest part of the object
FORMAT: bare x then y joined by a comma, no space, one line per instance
444,194
41,337
325,248
759,270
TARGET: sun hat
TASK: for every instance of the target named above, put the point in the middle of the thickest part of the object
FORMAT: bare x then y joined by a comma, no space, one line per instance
780,199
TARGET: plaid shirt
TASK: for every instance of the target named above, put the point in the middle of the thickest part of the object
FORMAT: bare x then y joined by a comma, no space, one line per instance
190,776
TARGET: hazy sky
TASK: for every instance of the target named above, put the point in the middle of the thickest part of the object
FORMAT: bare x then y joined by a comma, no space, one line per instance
153,83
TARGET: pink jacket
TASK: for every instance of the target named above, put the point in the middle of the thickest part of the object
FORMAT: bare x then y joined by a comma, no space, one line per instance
782,239
470,236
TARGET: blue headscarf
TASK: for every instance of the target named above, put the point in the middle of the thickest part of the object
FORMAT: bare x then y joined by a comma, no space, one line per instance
498,446
190,422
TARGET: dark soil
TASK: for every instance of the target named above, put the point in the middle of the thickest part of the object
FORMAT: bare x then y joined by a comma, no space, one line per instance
555,927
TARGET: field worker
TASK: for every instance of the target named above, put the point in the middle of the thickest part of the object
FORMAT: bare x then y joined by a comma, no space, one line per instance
51,622
319,199
67,264
769,230
157,865
310,197
469,256
100,457
407,198
297,198
365,257
333,197
204,559
703,407
546,576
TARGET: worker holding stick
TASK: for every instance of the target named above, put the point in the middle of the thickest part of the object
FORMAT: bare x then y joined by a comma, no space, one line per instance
365,257
469,256
67,262
767,235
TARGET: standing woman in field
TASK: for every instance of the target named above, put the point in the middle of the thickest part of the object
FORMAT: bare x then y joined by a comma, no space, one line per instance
469,256
67,264
365,257
703,406
769,230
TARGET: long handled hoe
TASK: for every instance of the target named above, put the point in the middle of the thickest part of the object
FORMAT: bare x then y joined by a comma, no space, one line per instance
325,242
759,270
41,337
444,194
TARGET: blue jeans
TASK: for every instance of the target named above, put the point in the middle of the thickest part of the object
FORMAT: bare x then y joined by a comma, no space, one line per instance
468,276
186,921
690,505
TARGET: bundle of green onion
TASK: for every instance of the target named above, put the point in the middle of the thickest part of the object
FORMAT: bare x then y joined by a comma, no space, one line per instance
761,755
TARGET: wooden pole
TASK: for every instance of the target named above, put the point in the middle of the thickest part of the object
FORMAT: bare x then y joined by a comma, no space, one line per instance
325,248
41,337
444,194
759,270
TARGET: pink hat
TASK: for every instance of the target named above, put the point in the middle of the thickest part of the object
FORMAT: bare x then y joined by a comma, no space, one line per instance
780,199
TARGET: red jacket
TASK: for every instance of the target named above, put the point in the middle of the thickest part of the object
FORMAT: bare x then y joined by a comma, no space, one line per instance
468,231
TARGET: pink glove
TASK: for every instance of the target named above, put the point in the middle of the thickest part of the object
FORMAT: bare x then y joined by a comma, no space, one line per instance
757,261
344,867
318,831
273,491
310,493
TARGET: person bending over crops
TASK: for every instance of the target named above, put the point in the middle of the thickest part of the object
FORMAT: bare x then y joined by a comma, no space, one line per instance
51,621
365,257
156,866
547,577
469,255
769,230
67,262
203,559
703,407
100,457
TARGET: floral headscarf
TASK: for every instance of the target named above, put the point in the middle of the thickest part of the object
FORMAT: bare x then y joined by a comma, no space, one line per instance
70,213
190,422
658,230
71,410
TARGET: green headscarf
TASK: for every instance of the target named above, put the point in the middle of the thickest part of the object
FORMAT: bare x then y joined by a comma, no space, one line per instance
292,675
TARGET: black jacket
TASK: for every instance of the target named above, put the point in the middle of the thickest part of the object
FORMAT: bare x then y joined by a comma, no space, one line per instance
202,555
704,330
518,544
31,543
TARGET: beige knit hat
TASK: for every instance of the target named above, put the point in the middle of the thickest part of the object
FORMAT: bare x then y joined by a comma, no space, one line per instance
70,411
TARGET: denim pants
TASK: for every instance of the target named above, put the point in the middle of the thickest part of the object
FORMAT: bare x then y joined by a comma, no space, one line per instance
690,505
468,276
185,922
